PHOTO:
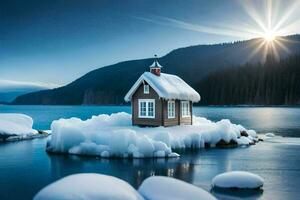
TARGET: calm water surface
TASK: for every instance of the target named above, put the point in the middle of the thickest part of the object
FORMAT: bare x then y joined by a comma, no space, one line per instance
25,167
281,120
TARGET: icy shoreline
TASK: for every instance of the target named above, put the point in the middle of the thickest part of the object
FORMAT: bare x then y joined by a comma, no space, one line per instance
17,127
114,136
31,136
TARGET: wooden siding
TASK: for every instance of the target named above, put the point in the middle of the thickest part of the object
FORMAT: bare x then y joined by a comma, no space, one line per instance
139,94
172,121
186,120
161,110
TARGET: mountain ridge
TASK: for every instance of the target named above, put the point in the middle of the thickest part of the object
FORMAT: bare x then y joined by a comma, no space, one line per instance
109,84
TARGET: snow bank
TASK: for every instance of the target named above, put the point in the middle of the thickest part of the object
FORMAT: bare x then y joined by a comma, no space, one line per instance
238,179
16,124
114,136
165,188
89,187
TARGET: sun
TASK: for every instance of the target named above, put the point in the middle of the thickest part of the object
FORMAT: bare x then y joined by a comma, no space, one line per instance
269,35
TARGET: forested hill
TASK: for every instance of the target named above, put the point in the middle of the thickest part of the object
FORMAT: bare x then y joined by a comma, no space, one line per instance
108,85
273,83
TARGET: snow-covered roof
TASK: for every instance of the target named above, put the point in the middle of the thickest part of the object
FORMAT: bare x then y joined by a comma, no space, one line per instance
167,87
155,64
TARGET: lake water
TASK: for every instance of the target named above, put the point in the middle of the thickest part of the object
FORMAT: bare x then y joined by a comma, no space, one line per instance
280,120
25,167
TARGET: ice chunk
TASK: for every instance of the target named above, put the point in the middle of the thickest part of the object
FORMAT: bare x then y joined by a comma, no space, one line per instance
16,124
165,188
89,186
238,179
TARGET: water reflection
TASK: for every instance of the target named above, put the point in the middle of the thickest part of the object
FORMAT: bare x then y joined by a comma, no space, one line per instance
133,171
281,120
27,164
232,194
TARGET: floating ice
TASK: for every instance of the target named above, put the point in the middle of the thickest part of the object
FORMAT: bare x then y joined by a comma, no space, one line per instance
89,187
165,188
16,124
238,179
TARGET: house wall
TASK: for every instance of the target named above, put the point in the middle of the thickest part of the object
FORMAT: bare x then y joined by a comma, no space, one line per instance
161,110
139,94
186,120
173,121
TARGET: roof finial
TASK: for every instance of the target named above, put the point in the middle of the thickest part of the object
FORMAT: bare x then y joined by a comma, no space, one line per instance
155,64
155,59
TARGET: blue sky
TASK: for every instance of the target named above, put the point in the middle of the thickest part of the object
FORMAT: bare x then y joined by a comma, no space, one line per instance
54,42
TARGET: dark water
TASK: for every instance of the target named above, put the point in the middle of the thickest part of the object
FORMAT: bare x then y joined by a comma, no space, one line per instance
25,167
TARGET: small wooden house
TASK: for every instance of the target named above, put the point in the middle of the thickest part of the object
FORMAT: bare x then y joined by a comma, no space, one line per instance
160,99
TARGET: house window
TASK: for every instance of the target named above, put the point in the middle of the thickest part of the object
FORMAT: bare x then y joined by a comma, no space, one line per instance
146,89
171,109
185,109
146,108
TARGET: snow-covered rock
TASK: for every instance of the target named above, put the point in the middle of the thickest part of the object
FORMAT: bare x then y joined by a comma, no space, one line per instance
269,135
244,140
165,188
89,187
238,179
114,136
16,124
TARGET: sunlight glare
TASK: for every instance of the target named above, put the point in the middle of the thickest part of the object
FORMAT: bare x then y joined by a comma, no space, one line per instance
269,35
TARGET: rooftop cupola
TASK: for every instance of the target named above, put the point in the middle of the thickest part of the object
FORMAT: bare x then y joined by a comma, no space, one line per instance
155,68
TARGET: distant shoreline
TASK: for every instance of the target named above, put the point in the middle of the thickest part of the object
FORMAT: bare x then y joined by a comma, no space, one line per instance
126,105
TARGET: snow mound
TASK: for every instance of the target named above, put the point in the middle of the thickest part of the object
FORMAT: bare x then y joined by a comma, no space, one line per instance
238,179
89,187
114,136
16,124
165,188
270,135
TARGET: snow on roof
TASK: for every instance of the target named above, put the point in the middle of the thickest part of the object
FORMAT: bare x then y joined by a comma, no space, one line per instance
155,64
167,87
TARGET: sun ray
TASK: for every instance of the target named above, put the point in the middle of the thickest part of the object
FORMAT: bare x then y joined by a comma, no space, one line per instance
287,14
269,20
286,40
252,12
274,50
269,14
259,45
282,46
265,51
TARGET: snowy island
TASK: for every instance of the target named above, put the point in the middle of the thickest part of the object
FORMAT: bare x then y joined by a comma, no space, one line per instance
114,136
161,121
